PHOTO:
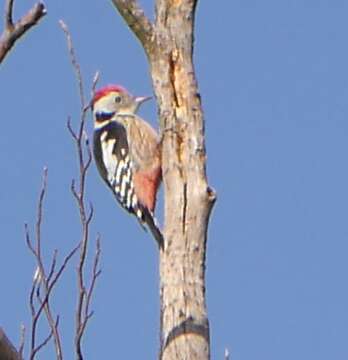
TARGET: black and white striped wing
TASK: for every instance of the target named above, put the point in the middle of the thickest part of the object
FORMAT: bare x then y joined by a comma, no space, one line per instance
111,154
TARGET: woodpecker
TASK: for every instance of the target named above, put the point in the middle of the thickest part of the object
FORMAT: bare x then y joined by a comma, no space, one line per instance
127,153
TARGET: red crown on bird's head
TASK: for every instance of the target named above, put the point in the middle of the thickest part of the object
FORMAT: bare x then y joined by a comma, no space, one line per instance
106,90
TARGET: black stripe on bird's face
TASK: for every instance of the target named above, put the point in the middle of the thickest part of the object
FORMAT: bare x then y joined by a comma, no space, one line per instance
102,116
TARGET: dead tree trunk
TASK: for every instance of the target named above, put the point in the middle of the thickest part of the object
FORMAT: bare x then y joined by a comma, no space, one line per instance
188,199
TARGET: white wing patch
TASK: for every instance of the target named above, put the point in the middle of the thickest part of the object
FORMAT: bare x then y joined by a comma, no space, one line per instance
109,158
103,136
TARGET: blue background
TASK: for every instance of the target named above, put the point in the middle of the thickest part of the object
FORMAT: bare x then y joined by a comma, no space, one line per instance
274,82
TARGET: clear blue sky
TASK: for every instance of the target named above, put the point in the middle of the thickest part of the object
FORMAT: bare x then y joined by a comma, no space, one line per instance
273,77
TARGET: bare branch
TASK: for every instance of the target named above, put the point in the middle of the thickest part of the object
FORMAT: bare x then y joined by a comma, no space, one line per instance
95,81
27,239
39,222
41,345
13,31
44,302
137,21
89,292
21,342
84,154
63,266
37,303
91,212
42,276
95,273
53,266
74,62
71,130
73,190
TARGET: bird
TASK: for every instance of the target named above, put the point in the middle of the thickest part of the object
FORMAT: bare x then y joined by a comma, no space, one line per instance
127,154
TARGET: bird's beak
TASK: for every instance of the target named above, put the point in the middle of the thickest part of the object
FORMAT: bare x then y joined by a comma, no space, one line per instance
140,99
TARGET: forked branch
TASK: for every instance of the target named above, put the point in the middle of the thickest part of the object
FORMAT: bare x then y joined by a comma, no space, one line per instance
85,291
14,30
43,284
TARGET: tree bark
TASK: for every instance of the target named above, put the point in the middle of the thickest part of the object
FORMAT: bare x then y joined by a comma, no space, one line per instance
188,198
7,350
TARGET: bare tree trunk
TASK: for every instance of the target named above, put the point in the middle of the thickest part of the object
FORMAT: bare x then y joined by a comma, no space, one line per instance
188,201
188,198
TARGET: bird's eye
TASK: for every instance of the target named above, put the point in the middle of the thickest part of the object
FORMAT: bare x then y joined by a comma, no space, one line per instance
118,99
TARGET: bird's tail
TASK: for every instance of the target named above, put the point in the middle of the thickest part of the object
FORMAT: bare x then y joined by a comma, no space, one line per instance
151,222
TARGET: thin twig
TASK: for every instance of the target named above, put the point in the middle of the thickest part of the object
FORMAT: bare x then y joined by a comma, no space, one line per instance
95,273
13,31
37,303
53,266
95,82
42,275
39,222
136,19
74,62
21,342
84,155
41,345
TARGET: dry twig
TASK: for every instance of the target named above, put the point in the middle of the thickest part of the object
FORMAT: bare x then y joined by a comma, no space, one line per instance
85,292
14,30
39,303
21,342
